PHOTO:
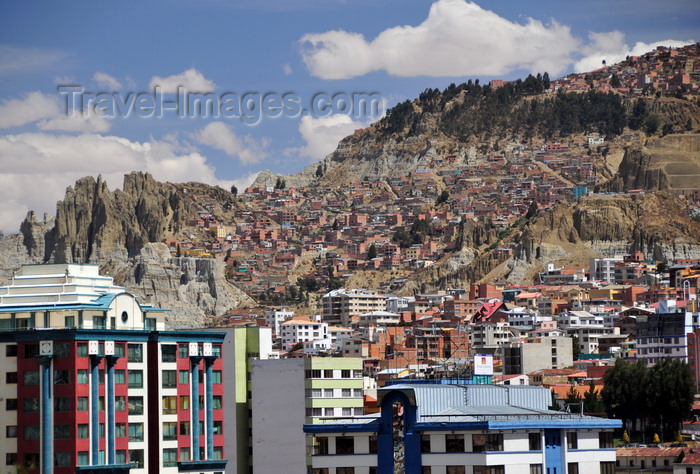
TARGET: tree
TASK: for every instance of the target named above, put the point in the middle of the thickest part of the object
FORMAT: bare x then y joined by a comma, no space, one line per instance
591,400
532,210
443,197
234,190
651,124
372,252
319,170
280,184
625,437
615,81
656,439
575,347
662,267
572,396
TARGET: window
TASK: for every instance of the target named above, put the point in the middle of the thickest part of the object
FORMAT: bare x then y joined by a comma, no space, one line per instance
605,439
31,432
425,443
345,470
373,444
61,432
169,405
321,445
487,442
31,405
216,376
170,457
327,374
120,456
218,427
119,352
136,379
313,393
184,454
217,402
119,430
457,469
119,376
184,377
426,470
218,453
10,404
11,459
488,470
82,376
535,440
454,443
11,431
99,322
31,377
345,445
183,351
347,392
82,403
571,440
101,430
136,458
329,411
357,392
346,411
11,377
135,405
313,374
328,392
31,351
185,402
82,349
135,431
184,429
11,350
169,430
168,352
572,468
83,459
345,374
135,353
319,470
216,350
62,404
169,378
61,459
535,468
61,349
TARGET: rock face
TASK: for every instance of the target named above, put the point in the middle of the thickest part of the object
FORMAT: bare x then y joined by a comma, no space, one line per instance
92,221
121,231
597,226
185,285
671,163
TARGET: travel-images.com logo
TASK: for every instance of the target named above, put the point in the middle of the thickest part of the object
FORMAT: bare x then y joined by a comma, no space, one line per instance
250,107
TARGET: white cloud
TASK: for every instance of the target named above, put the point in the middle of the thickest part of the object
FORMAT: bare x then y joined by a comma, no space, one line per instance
49,113
246,149
191,80
50,163
15,59
32,107
323,134
457,39
611,47
287,69
106,81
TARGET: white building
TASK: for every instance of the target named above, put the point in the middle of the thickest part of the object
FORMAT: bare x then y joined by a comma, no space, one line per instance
275,317
474,429
299,330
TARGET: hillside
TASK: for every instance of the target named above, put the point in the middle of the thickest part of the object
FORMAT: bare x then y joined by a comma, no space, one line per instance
472,183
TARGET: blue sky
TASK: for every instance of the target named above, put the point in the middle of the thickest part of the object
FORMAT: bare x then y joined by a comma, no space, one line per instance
282,49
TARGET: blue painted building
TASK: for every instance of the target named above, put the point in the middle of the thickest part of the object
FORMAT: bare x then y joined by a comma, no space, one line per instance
463,429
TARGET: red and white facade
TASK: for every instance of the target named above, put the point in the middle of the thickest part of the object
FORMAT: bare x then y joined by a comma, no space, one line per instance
94,382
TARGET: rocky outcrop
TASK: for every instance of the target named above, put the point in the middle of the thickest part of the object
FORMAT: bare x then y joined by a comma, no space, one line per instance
37,236
121,230
185,285
671,163
597,226
92,221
